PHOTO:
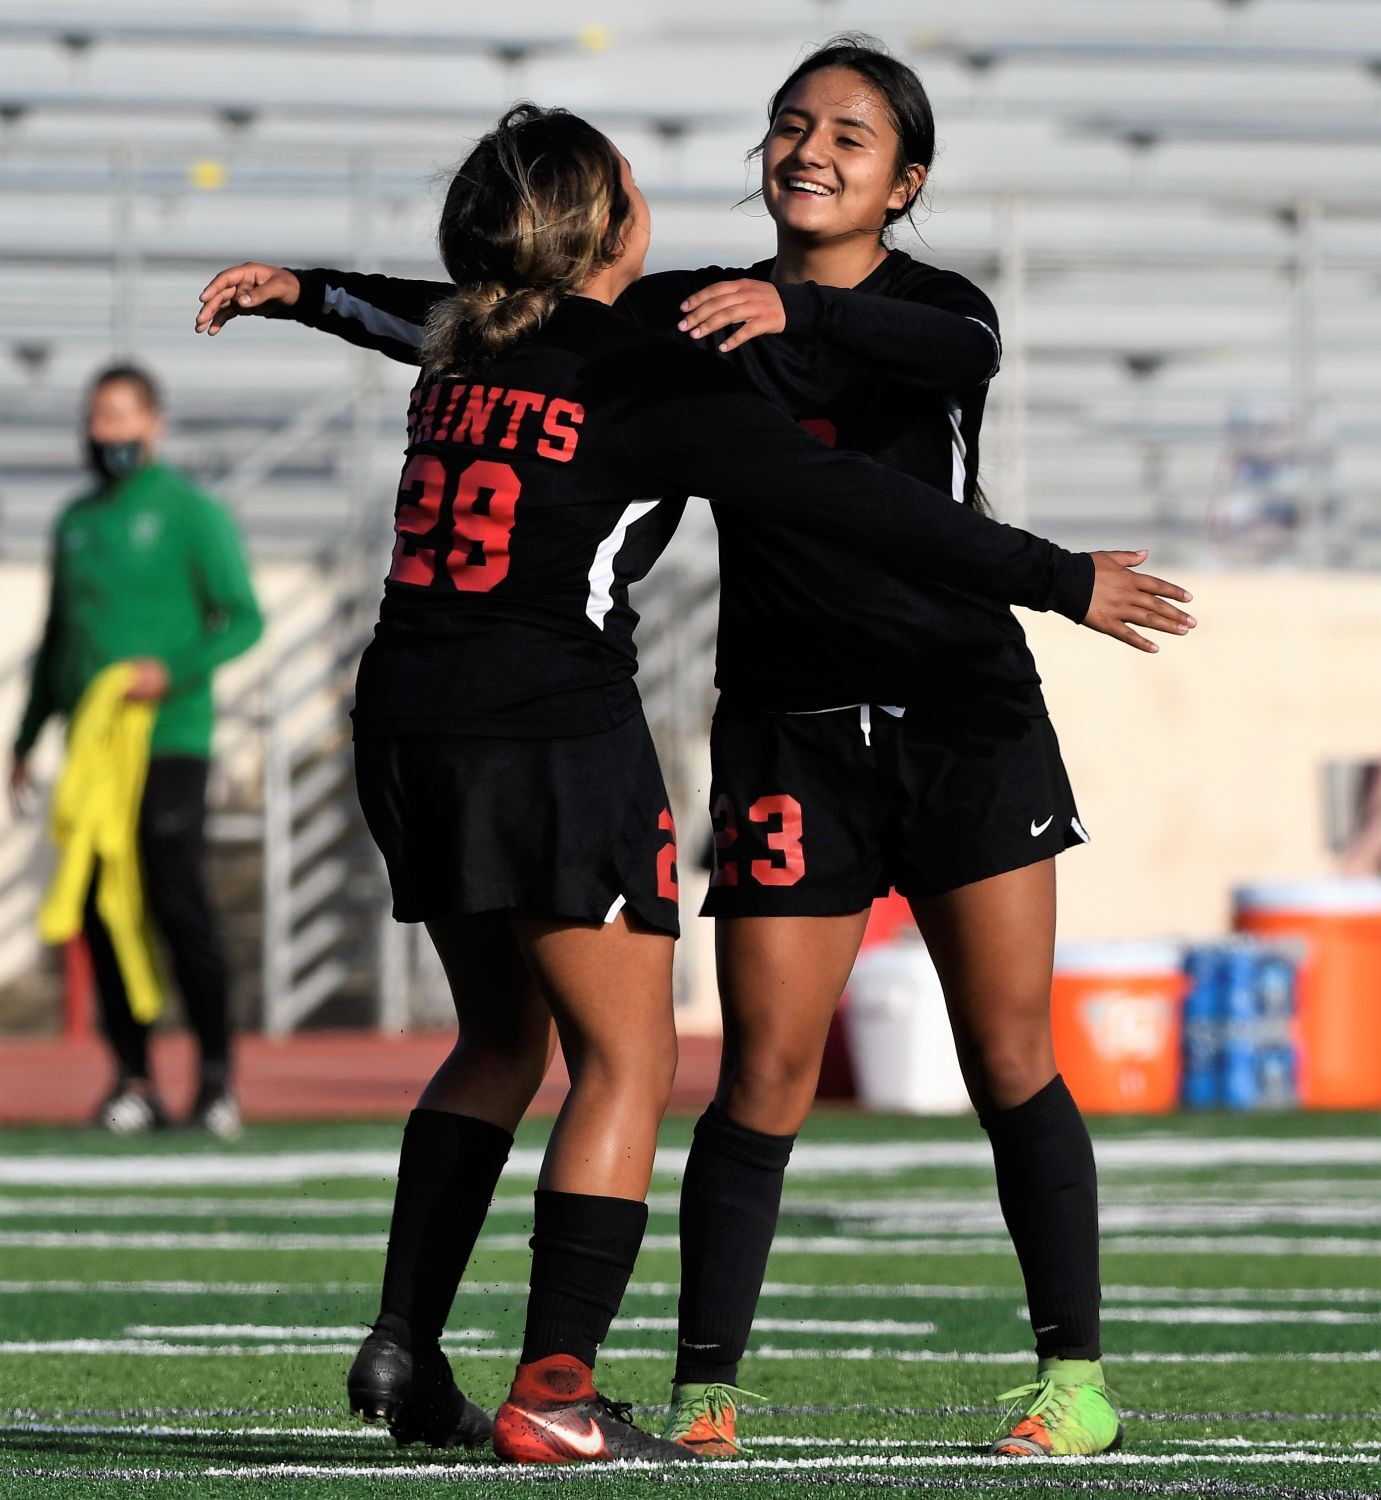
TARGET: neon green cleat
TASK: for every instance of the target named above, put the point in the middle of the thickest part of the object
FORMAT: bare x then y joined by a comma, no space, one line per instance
1065,1412
702,1418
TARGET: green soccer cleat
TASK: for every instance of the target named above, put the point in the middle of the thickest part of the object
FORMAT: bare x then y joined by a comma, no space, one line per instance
702,1418
1065,1412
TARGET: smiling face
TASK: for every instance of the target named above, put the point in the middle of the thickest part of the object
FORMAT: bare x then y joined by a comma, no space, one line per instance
830,161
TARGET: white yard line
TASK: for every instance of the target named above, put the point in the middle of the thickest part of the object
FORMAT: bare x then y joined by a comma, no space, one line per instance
828,1464
1232,1317
194,1288
853,1160
150,1429
100,1206
759,1440
852,1245
874,1216
863,1326
783,1290
1238,1294
1172,1213
855,1354
283,1331
1238,1244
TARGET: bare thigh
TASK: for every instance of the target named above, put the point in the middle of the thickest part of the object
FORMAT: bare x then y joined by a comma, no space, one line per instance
780,979
506,1038
608,986
993,943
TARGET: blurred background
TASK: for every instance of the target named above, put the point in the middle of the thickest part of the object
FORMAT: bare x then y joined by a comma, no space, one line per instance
1175,204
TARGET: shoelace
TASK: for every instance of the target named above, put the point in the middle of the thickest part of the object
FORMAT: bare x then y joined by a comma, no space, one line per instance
1045,1392
621,1411
710,1405
1050,1396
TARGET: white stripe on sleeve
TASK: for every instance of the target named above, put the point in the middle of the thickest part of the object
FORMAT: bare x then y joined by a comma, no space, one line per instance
340,302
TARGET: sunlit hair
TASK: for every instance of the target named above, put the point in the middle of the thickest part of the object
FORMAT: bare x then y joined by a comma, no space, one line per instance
902,93
534,211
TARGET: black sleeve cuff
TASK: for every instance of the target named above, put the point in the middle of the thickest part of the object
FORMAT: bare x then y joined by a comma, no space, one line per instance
802,303
1071,589
311,294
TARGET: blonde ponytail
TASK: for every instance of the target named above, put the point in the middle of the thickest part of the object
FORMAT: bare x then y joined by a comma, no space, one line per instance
534,211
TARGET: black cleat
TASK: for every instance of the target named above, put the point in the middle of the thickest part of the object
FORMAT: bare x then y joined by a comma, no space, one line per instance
380,1379
416,1395
436,1411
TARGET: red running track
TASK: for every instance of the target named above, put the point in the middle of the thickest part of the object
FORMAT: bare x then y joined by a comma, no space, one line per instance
318,1075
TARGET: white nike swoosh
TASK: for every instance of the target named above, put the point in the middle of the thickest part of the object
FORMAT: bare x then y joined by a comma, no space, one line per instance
588,1444
1037,831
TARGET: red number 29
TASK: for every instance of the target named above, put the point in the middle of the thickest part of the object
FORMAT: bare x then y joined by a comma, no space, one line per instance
481,522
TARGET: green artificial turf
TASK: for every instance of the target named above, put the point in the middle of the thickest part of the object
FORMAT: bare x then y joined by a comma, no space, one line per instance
176,1316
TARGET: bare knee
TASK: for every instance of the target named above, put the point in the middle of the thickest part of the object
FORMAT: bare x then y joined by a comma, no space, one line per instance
641,1076
770,1088
519,1050
1005,1068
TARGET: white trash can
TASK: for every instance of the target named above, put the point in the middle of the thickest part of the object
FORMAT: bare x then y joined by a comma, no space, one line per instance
899,1037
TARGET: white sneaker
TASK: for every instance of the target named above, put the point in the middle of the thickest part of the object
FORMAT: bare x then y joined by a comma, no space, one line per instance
129,1112
221,1116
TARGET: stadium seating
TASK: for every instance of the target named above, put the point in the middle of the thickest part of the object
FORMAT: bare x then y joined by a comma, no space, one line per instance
1175,205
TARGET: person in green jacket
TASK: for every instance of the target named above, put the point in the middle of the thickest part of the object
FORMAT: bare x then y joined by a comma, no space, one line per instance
149,570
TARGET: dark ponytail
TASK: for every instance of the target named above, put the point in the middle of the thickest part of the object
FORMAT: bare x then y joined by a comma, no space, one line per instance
531,214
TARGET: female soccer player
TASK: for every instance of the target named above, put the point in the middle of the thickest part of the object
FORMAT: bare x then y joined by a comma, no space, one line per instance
818,805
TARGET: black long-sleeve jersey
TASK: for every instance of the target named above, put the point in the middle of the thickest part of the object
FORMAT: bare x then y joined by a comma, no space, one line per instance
530,501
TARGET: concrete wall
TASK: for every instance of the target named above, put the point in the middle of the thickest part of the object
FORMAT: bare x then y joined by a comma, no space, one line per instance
1202,766
1194,769
288,594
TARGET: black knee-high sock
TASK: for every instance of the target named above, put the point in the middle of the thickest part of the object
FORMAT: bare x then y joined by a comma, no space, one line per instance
1048,1188
583,1250
447,1171
730,1198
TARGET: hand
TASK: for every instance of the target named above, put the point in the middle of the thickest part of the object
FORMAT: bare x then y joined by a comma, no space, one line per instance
756,305
150,680
21,787
1122,598
246,288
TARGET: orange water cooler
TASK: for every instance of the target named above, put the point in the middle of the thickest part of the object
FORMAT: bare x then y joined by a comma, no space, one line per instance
1115,1011
1338,1023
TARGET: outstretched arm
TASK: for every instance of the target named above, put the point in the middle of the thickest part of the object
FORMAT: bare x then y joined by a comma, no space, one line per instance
698,428
951,344
383,313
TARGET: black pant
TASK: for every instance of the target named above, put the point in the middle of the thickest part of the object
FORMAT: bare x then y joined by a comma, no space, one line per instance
172,842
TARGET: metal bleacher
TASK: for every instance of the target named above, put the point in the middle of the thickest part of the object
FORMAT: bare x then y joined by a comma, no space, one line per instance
1175,203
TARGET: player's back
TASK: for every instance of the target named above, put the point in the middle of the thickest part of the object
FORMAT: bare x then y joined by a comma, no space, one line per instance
520,524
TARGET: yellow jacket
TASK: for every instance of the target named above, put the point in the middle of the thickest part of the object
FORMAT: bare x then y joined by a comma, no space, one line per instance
95,816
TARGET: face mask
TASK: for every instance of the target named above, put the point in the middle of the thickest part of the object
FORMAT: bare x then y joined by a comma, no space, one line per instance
114,460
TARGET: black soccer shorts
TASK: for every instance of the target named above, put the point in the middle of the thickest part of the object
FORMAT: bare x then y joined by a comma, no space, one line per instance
817,814
576,828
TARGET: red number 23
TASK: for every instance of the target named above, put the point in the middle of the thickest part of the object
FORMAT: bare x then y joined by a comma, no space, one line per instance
783,840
